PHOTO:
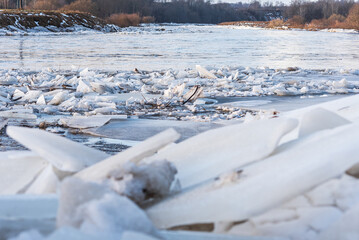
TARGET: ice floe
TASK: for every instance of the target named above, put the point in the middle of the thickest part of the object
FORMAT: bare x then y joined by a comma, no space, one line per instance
160,94
277,175
62,153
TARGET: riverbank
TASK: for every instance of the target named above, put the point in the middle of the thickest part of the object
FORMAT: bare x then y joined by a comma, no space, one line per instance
51,21
315,25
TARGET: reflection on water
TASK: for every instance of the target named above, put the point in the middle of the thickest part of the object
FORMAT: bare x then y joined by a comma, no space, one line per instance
181,47
21,51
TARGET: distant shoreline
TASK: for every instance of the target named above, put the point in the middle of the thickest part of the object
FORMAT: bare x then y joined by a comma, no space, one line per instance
285,26
27,21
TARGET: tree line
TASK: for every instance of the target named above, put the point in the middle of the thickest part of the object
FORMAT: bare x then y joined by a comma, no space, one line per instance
178,11
322,9
193,11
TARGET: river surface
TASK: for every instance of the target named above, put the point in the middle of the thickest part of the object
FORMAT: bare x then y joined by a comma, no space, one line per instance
181,46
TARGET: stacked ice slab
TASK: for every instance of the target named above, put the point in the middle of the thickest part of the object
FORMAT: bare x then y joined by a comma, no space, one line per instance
290,177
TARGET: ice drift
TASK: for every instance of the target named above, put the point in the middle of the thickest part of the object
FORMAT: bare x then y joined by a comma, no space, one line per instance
100,171
204,72
85,121
62,153
143,181
98,209
240,194
46,182
28,207
209,154
297,190
346,228
319,119
18,170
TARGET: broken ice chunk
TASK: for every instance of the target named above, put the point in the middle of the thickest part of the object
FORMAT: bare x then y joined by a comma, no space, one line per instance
41,100
18,169
83,87
46,182
143,181
17,94
214,152
58,98
28,207
63,153
92,208
101,170
346,228
193,94
31,96
3,123
130,235
320,119
17,113
283,176
85,121
74,193
191,235
204,72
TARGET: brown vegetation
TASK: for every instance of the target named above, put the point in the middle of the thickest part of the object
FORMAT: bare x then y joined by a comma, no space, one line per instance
148,19
276,23
86,6
299,14
179,11
45,4
296,22
126,20
353,18
334,21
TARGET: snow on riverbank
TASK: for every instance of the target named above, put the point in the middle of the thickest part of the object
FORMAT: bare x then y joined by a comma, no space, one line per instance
291,177
12,21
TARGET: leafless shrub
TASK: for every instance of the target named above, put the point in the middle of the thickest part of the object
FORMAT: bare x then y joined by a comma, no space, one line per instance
296,22
352,20
87,6
148,19
275,23
45,5
124,20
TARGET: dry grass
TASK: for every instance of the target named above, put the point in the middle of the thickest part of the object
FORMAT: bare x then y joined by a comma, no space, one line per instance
148,19
124,20
334,21
45,4
353,18
87,6
276,23
295,22
317,24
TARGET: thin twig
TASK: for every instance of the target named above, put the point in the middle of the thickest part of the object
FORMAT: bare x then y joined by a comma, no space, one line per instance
197,87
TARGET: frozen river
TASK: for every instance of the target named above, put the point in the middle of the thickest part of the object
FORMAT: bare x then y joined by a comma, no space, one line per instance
180,47
49,77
